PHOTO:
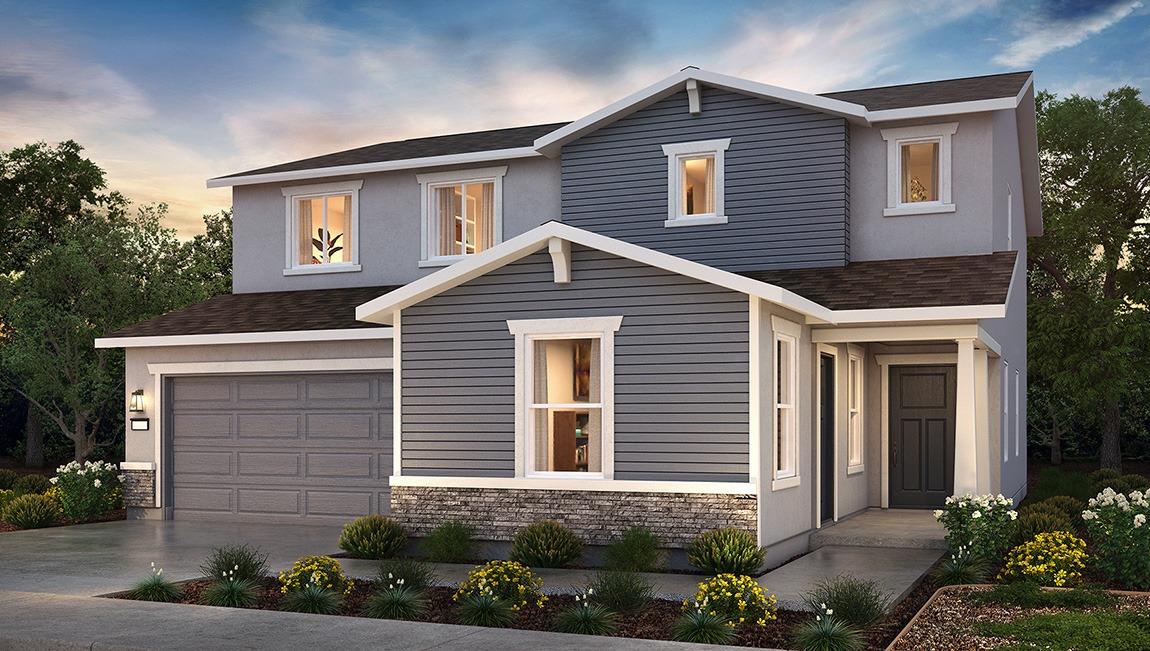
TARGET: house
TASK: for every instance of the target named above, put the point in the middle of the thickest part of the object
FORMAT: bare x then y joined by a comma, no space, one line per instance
714,302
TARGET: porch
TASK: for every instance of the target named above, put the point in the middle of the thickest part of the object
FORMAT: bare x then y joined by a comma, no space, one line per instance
893,528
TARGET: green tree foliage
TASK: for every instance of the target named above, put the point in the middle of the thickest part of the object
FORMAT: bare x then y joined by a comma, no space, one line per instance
1088,272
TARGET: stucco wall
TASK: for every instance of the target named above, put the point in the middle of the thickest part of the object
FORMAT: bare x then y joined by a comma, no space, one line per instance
389,220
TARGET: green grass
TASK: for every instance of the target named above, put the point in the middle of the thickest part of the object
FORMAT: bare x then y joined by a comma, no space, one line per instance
1028,595
1056,480
1098,631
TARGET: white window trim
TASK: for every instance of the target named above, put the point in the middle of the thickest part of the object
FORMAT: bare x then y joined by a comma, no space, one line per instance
1017,414
525,332
291,194
855,355
790,331
1005,410
895,139
427,184
676,152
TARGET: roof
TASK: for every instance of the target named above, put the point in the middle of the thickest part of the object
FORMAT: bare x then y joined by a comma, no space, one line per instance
913,282
929,93
312,309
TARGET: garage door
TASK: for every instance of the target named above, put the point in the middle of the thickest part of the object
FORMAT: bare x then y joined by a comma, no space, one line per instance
280,448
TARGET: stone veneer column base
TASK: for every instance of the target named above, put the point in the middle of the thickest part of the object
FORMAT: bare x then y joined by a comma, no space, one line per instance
596,516
139,488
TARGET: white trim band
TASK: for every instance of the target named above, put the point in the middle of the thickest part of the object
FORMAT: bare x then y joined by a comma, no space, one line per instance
281,336
607,485
137,465
273,366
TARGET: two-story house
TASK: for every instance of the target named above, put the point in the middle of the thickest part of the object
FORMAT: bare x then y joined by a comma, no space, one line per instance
714,302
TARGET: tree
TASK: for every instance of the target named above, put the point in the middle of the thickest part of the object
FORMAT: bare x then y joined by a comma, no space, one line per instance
107,270
1089,272
209,257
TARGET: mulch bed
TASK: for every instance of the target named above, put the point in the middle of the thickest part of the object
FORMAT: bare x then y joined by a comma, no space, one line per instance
949,622
110,516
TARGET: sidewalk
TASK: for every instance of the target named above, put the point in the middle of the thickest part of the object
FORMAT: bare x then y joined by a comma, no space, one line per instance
44,622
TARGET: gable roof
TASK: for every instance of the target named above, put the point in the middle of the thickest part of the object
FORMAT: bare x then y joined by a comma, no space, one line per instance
928,93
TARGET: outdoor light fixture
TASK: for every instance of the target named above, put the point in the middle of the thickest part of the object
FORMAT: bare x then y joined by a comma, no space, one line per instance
137,402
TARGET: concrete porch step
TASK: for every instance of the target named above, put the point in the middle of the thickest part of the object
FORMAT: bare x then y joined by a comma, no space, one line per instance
891,528
895,570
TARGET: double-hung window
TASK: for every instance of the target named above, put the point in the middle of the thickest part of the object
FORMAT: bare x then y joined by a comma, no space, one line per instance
786,354
322,225
854,413
461,213
919,169
695,182
564,373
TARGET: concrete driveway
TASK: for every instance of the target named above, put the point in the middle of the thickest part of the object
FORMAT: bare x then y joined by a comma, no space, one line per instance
92,559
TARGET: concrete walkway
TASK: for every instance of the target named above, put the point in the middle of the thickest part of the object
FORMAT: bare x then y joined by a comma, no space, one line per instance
42,622
898,528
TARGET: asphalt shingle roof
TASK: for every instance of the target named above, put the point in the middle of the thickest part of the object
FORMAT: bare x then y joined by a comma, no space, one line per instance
927,93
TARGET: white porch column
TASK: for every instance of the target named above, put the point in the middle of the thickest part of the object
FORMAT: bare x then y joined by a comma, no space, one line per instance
982,420
966,472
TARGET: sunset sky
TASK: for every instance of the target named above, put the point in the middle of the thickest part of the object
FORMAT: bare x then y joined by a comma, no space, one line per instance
164,95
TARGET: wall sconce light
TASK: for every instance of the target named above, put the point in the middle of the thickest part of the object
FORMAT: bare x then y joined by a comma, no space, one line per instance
140,424
136,404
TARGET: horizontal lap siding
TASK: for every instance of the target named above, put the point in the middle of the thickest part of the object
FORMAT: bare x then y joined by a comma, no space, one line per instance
681,366
786,191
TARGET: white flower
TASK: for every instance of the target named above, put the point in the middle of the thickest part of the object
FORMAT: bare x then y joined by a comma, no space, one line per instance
96,483
1139,520
830,611
1013,515
1089,515
53,480
976,515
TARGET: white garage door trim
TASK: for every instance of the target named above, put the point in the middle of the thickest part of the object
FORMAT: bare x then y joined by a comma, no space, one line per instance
159,371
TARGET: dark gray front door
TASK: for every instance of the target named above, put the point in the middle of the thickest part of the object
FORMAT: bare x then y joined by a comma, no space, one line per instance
827,437
921,435
307,448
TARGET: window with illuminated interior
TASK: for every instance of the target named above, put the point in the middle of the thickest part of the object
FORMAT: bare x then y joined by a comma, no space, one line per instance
919,174
461,213
855,413
567,410
786,336
322,221
695,182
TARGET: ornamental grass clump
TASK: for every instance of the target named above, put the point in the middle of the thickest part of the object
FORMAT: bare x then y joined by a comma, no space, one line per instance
7,478
1032,523
88,490
857,602
621,592
32,485
156,588
546,543
737,599
1117,527
699,626
410,572
586,617
1054,559
961,567
984,524
1071,507
396,600
726,551
450,542
827,632
372,536
231,592
636,550
313,599
31,511
240,561
484,610
323,571
510,582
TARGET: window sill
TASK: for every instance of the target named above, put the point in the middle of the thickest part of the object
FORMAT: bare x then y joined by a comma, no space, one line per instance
785,483
925,209
441,262
707,220
321,269
854,470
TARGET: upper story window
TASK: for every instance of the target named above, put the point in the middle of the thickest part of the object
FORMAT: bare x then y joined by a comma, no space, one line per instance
786,417
461,213
322,227
695,182
919,169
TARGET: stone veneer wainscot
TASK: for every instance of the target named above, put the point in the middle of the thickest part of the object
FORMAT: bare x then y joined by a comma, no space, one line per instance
139,488
596,516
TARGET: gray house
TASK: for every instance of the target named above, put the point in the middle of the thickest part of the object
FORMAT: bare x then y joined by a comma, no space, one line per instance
714,302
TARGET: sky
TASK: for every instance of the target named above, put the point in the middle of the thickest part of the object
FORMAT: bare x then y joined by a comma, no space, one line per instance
164,95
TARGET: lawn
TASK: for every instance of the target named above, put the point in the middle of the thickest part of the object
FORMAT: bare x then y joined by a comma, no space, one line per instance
1096,630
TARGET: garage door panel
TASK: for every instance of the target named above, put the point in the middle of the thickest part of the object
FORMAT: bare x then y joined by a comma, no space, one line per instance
269,464
281,448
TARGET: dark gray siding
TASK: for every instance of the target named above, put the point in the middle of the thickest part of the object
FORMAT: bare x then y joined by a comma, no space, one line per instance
681,369
786,182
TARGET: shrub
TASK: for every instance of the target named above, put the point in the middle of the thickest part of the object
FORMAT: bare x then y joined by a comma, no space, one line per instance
736,599
699,626
484,610
6,496
450,542
726,551
1028,594
622,592
409,572
637,550
396,601
984,524
1056,559
231,592
88,490
1071,507
31,511
546,543
372,536
508,581
1117,526
323,571
827,633
7,478
1103,476
855,602
31,485
1036,522
313,599
240,561
156,588
585,618
961,568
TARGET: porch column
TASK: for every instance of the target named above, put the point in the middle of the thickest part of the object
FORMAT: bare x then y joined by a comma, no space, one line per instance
982,419
966,474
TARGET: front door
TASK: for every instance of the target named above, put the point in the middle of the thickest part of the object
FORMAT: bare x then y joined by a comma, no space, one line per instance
827,437
921,435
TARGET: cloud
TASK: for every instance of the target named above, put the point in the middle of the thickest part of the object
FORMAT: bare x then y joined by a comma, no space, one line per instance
1060,25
